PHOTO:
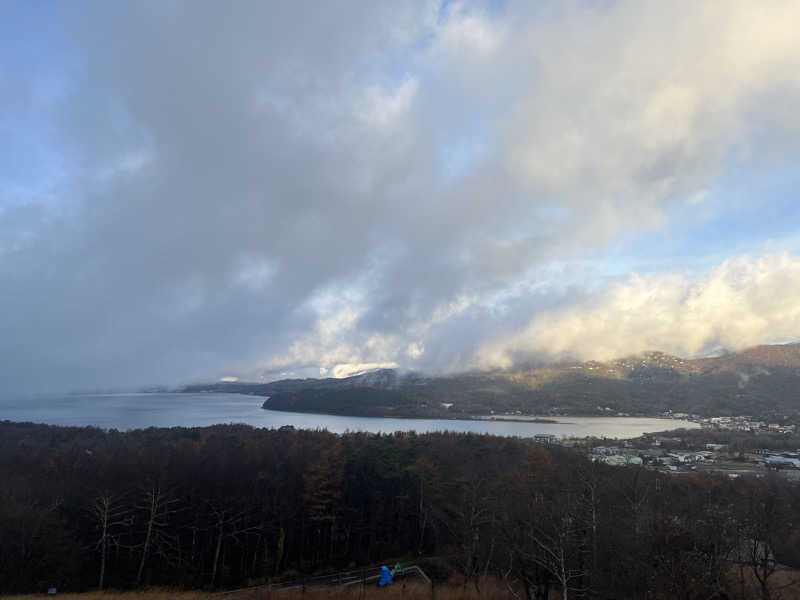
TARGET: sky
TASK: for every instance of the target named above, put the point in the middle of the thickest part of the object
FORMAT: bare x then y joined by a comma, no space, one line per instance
195,190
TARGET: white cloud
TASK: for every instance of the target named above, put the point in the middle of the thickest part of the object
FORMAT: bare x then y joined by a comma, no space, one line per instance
742,302
468,35
350,369
623,111
383,110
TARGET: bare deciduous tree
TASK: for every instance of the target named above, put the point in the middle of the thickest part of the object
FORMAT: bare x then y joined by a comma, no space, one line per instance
157,505
110,516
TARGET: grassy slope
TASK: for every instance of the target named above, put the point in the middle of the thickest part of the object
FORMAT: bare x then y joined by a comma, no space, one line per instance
786,583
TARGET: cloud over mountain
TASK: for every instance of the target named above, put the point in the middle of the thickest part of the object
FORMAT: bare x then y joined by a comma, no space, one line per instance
289,187
741,303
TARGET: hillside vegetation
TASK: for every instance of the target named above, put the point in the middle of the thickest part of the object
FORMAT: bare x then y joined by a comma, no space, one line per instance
229,506
762,381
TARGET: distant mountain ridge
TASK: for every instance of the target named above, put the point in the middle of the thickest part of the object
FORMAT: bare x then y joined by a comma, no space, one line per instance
762,381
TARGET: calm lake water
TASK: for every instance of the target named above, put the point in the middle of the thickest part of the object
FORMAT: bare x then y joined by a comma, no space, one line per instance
134,411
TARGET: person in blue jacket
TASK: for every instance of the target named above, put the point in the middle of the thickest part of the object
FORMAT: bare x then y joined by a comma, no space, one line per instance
386,576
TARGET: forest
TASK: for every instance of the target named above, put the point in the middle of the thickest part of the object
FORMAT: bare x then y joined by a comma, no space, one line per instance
231,505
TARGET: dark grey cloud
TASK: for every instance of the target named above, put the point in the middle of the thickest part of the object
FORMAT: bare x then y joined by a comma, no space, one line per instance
266,187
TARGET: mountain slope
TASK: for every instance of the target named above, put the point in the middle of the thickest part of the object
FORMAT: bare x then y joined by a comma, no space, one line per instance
763,381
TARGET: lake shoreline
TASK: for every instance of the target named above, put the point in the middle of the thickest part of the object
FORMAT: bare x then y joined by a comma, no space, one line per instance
187,410
445,417
533,420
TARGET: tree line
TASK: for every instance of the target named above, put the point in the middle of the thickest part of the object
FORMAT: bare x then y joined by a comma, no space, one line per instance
227,505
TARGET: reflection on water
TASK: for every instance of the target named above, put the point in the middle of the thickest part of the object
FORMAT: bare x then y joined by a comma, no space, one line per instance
134,411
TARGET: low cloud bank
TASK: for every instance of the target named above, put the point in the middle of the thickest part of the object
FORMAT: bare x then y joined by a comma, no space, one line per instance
743,302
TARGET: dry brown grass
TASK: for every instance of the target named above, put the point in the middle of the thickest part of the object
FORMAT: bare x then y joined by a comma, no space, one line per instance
785,585
398,591
157,594
783,582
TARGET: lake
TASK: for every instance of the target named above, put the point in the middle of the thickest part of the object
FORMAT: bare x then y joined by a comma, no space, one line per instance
134,411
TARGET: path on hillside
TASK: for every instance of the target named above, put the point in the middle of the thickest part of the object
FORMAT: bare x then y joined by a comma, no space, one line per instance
366,576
